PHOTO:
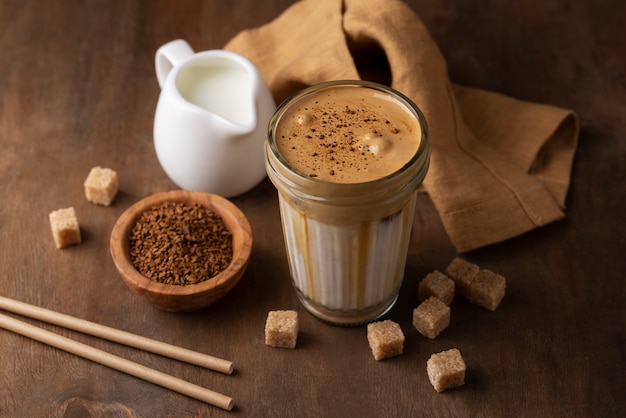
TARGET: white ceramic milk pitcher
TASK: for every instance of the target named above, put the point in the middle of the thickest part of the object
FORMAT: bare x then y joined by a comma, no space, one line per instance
211,119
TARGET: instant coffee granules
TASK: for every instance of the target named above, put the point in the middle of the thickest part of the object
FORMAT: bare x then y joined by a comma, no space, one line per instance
181,244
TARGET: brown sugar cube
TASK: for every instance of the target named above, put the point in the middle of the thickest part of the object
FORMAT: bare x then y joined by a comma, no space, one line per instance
64,226
281,329
446,370
431,317
101,186
385,338
463,273
487,289
438,285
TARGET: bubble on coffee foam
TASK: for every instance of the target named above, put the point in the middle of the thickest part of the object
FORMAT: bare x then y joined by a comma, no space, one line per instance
375,143
303,118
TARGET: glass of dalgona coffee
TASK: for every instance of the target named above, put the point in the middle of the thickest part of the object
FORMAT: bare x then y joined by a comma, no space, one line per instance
347,158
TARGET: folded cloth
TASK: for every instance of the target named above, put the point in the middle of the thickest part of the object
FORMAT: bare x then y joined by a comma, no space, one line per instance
499,166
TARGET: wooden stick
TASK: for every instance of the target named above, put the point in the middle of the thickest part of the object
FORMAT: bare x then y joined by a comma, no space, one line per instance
115,335
115,362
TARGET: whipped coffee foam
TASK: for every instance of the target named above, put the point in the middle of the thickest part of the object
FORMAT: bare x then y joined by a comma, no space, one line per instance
348,135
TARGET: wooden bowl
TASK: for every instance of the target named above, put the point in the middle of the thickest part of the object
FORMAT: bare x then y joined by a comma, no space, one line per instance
190,297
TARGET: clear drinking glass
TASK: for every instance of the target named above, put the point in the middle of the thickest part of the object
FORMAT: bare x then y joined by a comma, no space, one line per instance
347,242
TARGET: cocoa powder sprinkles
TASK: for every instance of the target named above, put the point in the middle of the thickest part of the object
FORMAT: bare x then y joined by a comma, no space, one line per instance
180,244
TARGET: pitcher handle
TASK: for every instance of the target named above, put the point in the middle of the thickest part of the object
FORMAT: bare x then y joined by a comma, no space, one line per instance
169,56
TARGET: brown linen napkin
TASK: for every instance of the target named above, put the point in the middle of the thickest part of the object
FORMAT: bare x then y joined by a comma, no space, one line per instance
499,166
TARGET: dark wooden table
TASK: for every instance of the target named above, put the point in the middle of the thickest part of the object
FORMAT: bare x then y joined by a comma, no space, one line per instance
78,89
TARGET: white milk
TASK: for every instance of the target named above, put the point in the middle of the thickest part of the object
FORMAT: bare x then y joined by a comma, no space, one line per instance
221,90
347,272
